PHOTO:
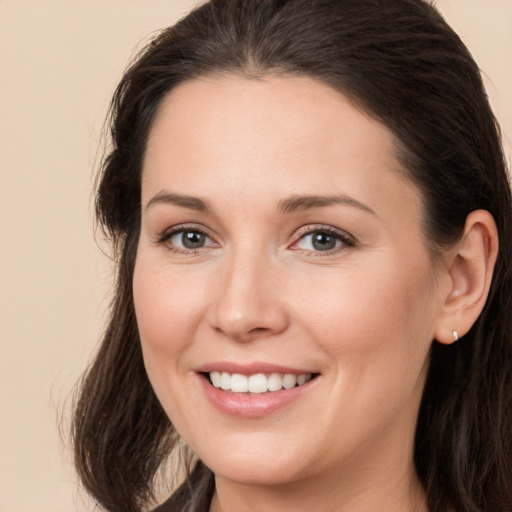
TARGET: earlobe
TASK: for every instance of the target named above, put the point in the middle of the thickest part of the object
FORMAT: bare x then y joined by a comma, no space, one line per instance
470,268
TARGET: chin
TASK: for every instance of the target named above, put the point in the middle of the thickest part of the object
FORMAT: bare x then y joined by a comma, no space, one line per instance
257,466
257,474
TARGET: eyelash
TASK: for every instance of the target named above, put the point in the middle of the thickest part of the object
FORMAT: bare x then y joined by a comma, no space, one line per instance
165,238
346,240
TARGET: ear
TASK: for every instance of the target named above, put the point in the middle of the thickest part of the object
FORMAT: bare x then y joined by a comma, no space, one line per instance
469,267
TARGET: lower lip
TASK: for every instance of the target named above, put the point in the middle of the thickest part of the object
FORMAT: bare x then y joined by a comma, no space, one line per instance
247,405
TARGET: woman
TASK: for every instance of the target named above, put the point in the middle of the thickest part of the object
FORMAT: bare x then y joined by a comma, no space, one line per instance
312,218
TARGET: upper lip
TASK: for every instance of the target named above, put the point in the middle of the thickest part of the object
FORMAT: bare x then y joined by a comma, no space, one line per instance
250,368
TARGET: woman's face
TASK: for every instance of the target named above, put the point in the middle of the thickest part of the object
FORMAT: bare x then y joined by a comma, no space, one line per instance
280,242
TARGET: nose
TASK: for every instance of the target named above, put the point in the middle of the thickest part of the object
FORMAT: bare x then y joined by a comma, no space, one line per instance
249,301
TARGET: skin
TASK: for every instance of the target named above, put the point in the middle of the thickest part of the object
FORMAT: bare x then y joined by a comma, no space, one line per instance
362,316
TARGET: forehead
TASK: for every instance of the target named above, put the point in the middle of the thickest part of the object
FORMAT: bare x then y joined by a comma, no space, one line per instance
288,135
265,113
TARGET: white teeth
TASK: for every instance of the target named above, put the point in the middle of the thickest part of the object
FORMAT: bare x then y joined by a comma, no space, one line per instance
274,382
215,377
240,383
225,381
257,383
289,381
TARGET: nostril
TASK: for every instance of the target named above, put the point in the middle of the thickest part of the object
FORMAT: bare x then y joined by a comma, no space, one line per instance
259,329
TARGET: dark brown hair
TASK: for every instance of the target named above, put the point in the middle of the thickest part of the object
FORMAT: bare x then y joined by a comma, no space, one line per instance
401,63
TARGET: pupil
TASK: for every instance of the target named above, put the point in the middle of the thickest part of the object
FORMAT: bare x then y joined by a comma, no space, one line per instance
193,239
323,242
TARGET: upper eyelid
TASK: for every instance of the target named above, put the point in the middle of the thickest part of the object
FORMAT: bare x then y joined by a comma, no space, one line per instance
164,238
312,228
347,240
172,230
299,233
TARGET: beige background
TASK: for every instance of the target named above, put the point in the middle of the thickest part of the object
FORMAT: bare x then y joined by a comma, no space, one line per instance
59,63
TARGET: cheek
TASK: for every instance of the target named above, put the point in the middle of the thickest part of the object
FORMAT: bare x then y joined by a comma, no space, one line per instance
167,312
376,330
166,308
372,314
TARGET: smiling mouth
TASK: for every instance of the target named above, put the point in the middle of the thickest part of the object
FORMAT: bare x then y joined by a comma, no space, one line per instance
257,383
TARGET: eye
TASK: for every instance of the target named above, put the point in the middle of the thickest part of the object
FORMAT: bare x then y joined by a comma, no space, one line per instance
323,240
186,239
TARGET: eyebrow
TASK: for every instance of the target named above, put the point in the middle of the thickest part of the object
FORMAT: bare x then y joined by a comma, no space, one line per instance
285,206
306,202
192,203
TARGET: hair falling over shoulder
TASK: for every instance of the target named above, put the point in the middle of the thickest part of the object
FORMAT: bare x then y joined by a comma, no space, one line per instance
401,62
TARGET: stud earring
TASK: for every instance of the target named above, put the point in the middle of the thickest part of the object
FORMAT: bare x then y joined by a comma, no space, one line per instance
455,335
